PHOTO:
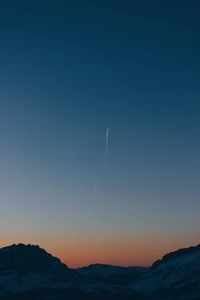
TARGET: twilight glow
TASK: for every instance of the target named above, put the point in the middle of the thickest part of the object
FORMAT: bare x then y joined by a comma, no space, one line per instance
63,185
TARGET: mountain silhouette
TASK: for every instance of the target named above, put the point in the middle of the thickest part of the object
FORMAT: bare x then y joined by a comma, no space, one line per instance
175,276
29,272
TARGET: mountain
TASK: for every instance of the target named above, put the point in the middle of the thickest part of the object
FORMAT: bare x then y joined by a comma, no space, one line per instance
175,276
27,260
29,272
112,274
25,267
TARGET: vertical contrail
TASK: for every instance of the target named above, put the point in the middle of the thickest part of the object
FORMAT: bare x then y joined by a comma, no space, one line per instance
106,153
95,188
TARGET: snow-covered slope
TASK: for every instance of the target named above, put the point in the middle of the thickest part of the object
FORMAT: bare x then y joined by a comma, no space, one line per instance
112,274
176,276
29,272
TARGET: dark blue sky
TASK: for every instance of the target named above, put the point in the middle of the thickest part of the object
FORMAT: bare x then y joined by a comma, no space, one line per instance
71,70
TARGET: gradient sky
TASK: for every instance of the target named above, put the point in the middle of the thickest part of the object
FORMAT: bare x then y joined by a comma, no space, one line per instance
71,70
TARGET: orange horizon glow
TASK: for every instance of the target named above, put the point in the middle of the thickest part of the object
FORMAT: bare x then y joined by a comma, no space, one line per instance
78,251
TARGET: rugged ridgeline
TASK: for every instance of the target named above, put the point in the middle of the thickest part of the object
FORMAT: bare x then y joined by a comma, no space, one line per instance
112,274
23,260
175,276
29,272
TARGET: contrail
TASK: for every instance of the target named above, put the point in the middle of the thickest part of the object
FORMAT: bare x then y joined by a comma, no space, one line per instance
106,153
95,188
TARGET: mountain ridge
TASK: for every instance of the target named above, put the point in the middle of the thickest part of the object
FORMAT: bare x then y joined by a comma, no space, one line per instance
27,271
175,276
30,270
176,253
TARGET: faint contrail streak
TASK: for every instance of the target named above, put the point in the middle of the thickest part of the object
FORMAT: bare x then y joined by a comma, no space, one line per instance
106,153
95,188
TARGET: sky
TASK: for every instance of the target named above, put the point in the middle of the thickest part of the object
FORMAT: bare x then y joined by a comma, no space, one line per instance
70,71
